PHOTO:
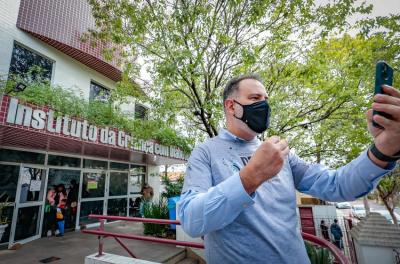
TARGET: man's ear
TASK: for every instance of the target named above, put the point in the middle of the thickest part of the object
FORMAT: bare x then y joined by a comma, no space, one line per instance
228,104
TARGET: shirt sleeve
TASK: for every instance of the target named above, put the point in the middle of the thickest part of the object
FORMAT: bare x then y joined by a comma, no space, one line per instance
347,183
204,208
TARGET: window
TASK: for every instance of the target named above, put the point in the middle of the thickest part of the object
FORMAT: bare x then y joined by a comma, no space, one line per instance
137,178
64,161
8,182
29,65
119,166
21,156
117,207
99,93
94,164
118,183
91,207
93,184
140,111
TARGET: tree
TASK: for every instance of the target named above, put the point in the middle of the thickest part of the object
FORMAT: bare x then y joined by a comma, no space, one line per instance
321,109
191,48
389,191
320,80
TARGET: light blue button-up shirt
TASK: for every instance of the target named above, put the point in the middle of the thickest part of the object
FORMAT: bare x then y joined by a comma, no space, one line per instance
259,228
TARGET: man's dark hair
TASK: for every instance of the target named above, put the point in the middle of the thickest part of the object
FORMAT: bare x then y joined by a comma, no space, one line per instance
233,84
335,220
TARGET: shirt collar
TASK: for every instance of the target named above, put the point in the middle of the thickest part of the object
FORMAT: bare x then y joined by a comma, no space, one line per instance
226,135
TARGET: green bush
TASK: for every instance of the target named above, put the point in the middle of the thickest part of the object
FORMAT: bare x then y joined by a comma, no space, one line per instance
172,188
65,101
317,254
158,211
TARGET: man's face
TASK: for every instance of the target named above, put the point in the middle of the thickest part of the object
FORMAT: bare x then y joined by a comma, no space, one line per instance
250,91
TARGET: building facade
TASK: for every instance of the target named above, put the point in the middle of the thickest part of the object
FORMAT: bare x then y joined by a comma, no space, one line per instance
40,151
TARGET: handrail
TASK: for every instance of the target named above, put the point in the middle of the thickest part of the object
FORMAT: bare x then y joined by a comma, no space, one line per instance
339,256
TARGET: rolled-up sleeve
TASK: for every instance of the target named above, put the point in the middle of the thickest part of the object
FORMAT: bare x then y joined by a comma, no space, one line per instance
203,207
347,183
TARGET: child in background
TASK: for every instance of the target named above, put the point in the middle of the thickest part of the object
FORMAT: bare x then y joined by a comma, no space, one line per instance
60,217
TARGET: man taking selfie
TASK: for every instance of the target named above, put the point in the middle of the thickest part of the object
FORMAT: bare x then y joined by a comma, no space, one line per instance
239,193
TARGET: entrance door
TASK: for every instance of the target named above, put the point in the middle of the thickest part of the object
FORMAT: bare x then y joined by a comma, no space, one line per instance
28,212
307,220
70,179
92,196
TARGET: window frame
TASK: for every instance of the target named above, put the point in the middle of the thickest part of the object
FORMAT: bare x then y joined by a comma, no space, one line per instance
103,88
17,43
146,114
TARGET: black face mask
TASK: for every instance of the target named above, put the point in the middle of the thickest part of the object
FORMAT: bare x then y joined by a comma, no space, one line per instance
256,115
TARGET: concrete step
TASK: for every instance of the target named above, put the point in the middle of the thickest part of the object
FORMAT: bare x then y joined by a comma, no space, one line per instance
188,261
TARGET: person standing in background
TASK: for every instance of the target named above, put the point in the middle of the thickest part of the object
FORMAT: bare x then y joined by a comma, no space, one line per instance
50,213
324,230
72,203
337,234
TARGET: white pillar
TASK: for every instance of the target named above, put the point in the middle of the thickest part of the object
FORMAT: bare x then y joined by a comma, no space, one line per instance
154,180
375,240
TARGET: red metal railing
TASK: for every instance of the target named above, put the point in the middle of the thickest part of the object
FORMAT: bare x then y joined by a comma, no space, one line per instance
101,233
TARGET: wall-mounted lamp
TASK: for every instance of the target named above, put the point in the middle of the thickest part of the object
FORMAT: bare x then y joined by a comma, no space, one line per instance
19,87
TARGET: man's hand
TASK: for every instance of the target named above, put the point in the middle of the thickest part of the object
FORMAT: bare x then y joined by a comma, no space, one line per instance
386,140
266,162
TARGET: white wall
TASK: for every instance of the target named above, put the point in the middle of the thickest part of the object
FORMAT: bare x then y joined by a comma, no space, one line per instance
154,180
374,254
67,71
326,212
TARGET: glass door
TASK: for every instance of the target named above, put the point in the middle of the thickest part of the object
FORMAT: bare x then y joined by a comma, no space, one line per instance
69,180
28,212
137,176
92,196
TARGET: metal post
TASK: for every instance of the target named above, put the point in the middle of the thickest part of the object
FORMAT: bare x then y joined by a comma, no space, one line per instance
101,239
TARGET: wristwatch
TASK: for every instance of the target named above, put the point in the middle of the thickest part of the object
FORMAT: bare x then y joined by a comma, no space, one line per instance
379,155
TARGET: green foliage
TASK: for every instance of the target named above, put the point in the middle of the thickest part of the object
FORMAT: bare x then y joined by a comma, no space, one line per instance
3,211
389,191
191,48
319,79
317,254
65,101
172,188
322,103
158,130
158,211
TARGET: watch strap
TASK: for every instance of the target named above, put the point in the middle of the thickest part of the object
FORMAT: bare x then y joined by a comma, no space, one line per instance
379,155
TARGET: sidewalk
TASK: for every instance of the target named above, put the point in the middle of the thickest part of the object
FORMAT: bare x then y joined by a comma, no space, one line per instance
74,246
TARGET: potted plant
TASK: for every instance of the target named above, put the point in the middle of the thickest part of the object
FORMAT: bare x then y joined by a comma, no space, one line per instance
159,211
317,254
172,192
3,217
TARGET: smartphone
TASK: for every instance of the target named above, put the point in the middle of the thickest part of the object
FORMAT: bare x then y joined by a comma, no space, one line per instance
383,75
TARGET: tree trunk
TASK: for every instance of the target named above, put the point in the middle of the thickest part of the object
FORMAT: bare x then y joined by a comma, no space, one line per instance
318,153
393,217
389,208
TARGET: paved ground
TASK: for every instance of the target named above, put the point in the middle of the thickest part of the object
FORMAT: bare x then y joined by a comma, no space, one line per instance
74,246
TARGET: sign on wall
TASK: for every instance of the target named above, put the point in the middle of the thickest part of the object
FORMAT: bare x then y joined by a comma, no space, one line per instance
47,121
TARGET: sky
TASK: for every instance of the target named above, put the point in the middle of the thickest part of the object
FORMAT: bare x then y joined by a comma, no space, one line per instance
384,7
